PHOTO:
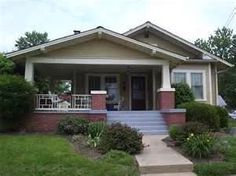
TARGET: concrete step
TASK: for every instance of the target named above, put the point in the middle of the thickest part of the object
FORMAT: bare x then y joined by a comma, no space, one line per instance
172,174
134,120
157,158
154,132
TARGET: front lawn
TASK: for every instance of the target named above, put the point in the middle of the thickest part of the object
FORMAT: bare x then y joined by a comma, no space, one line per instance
44,155
225,168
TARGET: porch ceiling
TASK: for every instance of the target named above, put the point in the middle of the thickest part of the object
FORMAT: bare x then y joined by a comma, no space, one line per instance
65,71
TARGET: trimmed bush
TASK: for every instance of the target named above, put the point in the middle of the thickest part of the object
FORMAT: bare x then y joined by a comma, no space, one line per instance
121,137
176,132
73,125
16,100
199,146
203,113
223,115
183,93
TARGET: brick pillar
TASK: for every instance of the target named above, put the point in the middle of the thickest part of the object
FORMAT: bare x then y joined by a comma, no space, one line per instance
166,98
98,100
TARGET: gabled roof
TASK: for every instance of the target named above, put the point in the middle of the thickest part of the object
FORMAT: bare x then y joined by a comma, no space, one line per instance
177,38
98,32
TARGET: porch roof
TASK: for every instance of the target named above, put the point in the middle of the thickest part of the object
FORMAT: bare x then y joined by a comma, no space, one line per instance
99,33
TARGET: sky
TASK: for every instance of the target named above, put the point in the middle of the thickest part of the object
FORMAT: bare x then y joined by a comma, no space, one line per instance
189,19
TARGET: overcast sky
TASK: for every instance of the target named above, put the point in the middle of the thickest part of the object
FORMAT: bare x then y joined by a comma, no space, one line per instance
190,19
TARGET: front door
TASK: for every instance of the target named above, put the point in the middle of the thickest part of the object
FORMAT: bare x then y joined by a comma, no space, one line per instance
138,93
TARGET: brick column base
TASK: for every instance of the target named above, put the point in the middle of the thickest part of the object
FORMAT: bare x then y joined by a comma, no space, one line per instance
98,100
166,99
174,116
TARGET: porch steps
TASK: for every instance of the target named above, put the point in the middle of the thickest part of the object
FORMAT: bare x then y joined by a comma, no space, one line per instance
148,122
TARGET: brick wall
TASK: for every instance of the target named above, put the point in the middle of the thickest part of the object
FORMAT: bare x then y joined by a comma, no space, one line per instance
48,122
166,100
174,116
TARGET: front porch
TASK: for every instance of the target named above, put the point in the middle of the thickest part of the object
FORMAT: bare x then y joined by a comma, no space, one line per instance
128,87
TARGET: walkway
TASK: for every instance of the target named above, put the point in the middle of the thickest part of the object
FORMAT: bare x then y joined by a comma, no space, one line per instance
159,160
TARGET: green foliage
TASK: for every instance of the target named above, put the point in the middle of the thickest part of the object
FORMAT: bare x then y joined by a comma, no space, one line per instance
183,93
16,98
215,169
119,157
31,39
50,155
6,65
121,137
199,146
73,125
223,115
95,131
203,113
176,132
179,133
223,44
219,44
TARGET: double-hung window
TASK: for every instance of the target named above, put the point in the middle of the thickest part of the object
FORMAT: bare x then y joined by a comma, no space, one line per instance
195,80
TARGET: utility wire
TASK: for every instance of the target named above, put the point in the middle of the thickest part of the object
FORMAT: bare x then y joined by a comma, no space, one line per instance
231,16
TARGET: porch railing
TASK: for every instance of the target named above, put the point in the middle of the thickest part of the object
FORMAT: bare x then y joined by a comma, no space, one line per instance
67,102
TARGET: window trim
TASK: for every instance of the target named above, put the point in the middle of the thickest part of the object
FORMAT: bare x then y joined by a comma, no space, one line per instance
188,80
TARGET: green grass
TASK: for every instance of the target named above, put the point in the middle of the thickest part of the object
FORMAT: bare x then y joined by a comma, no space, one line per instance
232,123
221,169
45,155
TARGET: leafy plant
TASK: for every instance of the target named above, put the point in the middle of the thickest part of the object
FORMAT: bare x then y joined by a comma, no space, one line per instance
73,125
203,113
95,131
16,99
6,65
183,93
121,137
199,146
177,133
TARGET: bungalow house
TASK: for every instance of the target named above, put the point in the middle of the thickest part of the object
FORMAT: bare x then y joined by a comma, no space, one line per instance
115,74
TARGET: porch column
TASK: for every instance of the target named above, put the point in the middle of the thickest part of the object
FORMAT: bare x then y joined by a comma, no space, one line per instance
74,82
29,71
154,88
166,94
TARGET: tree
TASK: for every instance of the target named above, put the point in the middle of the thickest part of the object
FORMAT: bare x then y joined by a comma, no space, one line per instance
223,44
31,39
6,65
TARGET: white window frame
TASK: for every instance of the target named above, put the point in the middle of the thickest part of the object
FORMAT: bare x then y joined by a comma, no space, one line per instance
188,79
102,77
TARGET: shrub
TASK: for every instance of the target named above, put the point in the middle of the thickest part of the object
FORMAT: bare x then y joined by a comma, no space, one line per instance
183,93
121,137
95,131
223,116
199,146
203,113
73,125
176,131
179,133
16,99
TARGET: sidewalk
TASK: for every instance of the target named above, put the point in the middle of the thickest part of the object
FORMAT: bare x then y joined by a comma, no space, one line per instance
158,159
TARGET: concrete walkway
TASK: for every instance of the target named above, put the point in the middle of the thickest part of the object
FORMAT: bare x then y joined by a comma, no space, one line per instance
159,160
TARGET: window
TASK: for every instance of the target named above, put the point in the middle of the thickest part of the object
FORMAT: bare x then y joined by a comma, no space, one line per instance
197,85
195,80
105,82
179,77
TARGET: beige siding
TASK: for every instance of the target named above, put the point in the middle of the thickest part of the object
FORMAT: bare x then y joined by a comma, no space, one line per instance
98,49
162,43
210,93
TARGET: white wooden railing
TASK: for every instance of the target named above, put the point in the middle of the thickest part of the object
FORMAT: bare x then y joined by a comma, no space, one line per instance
52,102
